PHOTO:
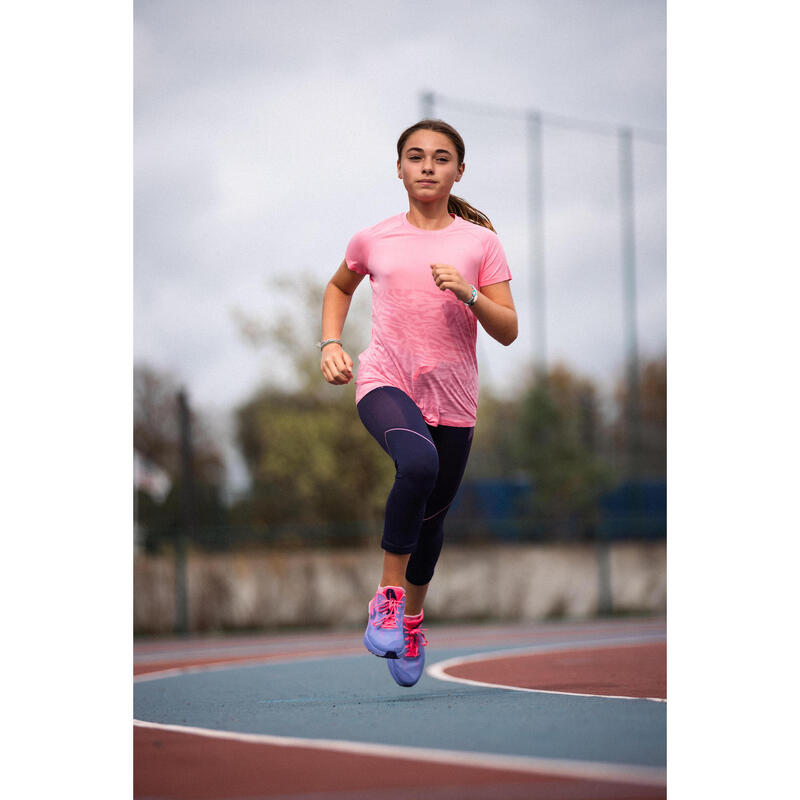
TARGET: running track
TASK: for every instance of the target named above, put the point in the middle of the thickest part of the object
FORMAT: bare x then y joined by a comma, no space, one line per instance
574,710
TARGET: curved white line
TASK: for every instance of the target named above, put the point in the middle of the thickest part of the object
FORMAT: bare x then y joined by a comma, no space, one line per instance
438,670
389,430
439,511
587,770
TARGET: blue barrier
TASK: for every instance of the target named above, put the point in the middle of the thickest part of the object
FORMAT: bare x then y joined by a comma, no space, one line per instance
504,509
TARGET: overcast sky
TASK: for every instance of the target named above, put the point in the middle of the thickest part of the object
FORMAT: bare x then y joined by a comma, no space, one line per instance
265,137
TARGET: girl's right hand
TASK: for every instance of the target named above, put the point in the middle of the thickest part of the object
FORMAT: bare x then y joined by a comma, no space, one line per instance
336,365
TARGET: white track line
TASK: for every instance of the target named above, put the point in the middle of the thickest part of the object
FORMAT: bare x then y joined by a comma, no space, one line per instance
438,670
586,770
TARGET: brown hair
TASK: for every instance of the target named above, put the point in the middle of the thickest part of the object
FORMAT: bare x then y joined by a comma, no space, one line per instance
455,205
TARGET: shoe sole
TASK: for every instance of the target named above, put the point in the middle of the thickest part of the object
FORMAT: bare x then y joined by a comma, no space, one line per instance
380,653
400,682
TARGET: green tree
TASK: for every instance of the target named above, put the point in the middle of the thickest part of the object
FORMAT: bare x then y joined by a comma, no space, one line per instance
309,458
556,442
495,451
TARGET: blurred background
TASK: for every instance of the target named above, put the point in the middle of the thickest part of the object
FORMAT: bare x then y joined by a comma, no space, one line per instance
265,137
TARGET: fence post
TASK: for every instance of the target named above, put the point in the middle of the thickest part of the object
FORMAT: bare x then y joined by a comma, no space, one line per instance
187,517
605,601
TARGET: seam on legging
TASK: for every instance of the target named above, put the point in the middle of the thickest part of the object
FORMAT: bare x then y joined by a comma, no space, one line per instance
425,519
410,431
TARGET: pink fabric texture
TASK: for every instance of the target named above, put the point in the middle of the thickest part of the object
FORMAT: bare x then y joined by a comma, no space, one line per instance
423,339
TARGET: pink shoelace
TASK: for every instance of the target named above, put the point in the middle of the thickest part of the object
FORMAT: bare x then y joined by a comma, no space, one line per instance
390,608
415,638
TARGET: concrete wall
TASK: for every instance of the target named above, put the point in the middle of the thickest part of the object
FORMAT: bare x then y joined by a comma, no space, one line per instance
297,588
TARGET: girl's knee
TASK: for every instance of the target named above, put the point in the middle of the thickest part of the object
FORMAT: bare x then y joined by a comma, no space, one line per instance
420,466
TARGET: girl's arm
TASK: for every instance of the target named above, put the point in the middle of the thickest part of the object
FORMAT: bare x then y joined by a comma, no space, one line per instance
494,305
336,365
494,308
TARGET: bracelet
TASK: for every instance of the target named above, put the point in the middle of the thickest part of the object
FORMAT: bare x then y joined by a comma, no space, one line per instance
474,297
328,341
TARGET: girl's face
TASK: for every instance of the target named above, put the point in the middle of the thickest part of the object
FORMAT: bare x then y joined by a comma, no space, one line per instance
428,165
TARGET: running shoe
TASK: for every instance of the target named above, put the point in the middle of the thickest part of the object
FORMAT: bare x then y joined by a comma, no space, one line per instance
384,635
407,669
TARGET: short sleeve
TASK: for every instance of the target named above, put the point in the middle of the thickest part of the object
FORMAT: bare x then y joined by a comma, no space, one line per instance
494,267
356,253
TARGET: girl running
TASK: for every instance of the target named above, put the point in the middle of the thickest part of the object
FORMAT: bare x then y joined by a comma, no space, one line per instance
436,272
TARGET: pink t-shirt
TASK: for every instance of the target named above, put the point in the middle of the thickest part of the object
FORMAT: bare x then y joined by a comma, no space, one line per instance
423,339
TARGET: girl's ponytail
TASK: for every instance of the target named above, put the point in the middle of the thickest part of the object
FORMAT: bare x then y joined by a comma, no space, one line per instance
460,207
455,205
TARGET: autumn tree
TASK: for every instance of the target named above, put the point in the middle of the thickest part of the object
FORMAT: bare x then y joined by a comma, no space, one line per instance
651,460
156,435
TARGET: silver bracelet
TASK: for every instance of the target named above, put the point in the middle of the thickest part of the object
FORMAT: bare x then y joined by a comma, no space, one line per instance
474,297
328,341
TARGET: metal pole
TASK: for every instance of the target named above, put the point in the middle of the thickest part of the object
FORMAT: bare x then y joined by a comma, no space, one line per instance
536,242
633,418
605,597
427,105
187,516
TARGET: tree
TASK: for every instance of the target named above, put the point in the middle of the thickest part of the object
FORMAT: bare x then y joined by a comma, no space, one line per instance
652,458
310,460
309,457
494,452
557,433
156,436
287,336
156,431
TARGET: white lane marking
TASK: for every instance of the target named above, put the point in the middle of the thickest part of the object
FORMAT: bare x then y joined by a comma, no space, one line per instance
438,670
586,770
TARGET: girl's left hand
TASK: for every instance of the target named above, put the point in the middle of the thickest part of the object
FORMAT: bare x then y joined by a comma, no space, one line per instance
446,276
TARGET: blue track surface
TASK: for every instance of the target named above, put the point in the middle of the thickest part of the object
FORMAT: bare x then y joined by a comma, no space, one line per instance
354,698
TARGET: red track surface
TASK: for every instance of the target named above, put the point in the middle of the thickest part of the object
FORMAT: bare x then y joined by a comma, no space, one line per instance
187,767
638,670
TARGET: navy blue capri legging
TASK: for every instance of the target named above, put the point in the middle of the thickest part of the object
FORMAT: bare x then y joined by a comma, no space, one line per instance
430,461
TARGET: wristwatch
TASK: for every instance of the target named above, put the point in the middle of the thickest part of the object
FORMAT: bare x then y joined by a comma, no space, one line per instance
474,297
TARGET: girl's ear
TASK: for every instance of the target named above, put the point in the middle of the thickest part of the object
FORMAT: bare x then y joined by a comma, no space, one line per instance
460,171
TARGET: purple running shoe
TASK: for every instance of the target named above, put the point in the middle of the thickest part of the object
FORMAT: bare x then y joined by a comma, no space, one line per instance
384,635
407,669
